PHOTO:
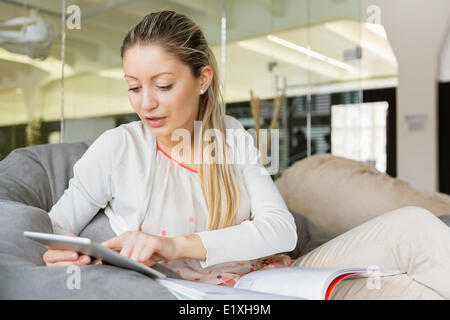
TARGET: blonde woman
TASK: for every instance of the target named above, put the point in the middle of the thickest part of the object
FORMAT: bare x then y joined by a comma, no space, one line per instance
214,221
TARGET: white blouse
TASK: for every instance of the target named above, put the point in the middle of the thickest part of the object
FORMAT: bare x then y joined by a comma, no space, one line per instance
142,188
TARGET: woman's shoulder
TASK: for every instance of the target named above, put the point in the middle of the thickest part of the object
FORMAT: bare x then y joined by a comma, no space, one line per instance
126,139
117,136
135,133
240,140
133,127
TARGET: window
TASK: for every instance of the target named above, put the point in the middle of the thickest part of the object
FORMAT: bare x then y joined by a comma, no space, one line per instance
358,132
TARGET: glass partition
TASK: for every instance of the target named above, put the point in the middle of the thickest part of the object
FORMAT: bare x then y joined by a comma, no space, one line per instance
292,57
283,65
29,60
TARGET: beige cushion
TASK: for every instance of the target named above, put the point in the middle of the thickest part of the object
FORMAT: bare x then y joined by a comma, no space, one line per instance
338,194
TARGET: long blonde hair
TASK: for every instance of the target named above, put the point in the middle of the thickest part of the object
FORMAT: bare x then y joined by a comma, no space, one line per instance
183,38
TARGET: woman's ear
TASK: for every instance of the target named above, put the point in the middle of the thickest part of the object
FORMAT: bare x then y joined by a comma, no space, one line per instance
206,77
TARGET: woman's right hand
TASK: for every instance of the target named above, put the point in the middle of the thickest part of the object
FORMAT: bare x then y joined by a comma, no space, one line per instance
57,257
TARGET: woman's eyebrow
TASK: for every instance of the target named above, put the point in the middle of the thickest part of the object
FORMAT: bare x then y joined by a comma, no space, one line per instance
156,75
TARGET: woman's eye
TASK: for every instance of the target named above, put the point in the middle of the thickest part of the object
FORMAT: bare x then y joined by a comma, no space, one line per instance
166,87
134,89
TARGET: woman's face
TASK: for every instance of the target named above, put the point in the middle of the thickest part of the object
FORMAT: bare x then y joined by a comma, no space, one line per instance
161,86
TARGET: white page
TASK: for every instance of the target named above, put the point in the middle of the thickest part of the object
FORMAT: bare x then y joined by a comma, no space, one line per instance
308,283
190,290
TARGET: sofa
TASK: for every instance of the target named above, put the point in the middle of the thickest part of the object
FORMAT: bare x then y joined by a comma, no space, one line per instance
33,178
337,194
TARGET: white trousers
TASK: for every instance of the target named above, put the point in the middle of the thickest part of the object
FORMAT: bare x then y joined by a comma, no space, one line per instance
410,242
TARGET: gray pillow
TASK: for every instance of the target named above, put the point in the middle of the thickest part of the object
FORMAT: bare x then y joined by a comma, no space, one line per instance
23,274
15,218
38,175
96,282
446,219
309,236
22,179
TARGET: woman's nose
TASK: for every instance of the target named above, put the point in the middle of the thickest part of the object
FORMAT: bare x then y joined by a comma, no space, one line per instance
149,100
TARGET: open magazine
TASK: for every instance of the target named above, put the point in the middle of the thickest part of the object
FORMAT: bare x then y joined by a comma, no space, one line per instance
268,284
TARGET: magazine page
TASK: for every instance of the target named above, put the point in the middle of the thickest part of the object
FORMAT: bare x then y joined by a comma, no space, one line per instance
190,290
307,283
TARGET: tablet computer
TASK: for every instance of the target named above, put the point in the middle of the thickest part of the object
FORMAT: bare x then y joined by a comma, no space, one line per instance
91,248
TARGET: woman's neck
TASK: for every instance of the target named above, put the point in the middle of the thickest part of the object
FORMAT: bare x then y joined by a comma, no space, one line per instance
167,145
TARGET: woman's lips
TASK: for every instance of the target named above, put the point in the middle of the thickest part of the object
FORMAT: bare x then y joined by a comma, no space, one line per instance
155,122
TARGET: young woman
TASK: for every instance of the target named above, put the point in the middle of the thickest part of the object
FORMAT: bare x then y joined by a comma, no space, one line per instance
214,221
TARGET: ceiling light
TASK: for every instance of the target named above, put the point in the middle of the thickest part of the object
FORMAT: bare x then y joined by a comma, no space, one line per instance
264,49
310,53
352,31
50,64
114,73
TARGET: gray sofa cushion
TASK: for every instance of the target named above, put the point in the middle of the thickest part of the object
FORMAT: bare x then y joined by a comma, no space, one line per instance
23,274
309,236
24,180
38,175
446,219
96,282
15,249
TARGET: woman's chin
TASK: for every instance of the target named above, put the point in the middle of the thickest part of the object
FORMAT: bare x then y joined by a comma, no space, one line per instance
159,132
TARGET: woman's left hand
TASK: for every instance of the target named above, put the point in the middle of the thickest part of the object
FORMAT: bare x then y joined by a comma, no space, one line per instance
143,247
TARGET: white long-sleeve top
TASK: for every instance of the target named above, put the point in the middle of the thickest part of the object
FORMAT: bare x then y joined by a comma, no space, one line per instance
142,188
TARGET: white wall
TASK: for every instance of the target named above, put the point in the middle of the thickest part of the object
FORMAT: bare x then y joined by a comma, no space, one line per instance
445,61
416,30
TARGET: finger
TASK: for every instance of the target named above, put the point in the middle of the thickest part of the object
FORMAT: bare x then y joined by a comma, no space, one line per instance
60,264
97,261
84,259
113,243
60,255
138,248
156,258
127,248
63,263
149,262
148,253
153,256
